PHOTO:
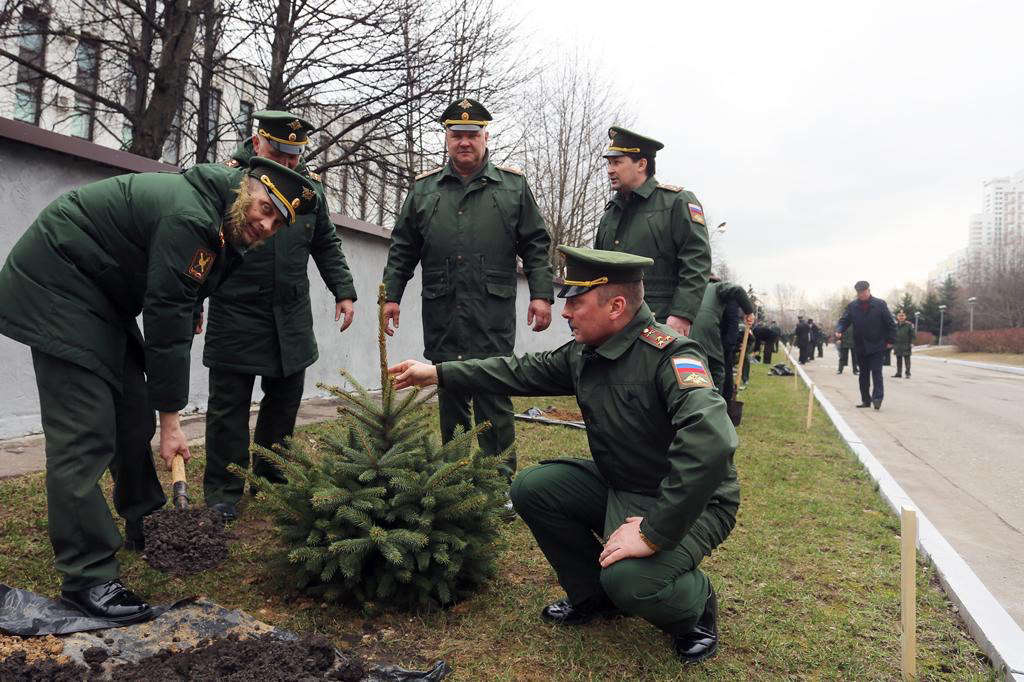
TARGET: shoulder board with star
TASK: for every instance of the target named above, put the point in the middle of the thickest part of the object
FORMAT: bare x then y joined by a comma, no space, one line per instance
510,169
428,173
231,163
656,337
315,177
671,188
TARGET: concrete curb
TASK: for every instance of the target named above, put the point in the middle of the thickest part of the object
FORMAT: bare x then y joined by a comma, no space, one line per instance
997,634
1009,369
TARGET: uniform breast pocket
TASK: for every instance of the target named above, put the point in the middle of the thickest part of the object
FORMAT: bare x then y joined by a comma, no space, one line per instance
660,241
501,306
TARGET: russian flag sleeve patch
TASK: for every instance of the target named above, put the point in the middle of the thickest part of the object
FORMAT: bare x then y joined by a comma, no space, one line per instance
691,372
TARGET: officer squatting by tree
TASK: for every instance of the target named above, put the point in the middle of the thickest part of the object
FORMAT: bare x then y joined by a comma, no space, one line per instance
661,485
72,286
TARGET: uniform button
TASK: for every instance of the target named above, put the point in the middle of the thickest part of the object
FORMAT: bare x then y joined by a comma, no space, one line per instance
616,242
460,212
458,357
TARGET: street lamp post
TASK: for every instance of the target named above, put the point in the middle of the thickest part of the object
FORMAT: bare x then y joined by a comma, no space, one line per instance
942,315
917,319
970,307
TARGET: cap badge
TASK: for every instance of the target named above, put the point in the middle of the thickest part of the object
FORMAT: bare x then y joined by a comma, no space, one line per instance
465,116
465,104
295,125
611,133
291,137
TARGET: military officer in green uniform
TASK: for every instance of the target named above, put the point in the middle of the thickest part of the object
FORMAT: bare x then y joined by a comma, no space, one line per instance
663,222
846,354
707,327
660,487
465,223
905,336
71,289
261,322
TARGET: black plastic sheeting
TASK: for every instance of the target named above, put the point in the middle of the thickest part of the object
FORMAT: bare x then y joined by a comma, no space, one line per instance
187,621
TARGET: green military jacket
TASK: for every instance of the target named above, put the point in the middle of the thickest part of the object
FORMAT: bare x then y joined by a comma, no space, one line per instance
99,255
260,321
466,238
905,336
662,222
706,329
849,338
662,443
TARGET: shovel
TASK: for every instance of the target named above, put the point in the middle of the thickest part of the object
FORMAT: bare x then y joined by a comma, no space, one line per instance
179,489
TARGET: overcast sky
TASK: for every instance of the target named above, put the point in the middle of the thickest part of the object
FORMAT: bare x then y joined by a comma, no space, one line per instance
840,141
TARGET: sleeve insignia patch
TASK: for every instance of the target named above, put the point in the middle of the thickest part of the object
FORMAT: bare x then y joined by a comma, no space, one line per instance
510,169
428,173
670,188
656,338
231,163
696,213
202,263
315,177
691,372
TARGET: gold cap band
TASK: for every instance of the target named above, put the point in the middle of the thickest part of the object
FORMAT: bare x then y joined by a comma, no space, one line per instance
591,283
287,204
455,121
295,143
625,150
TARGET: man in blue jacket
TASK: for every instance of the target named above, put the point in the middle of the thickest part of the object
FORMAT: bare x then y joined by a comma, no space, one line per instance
875,332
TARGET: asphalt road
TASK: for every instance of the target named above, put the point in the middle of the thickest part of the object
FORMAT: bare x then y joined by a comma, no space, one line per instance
953,437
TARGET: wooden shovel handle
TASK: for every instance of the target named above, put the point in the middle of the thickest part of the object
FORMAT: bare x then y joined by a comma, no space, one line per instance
177,469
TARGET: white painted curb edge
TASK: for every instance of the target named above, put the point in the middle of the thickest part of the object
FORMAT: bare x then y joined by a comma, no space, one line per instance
998,635
1009,369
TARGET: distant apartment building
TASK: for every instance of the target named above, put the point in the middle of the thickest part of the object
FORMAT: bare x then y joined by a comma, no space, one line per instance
368,192
999,229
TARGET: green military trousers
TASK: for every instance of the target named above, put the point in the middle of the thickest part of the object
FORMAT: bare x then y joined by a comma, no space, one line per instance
227,428
89,426
565,503
497,409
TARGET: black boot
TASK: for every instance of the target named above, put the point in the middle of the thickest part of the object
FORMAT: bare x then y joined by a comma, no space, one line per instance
701,641
877,402
109,601
226,510
134,538
562,612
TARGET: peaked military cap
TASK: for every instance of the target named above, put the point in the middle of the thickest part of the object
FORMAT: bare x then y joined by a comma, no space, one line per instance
291,193
466,114
285,131
622,142
589,268
861,285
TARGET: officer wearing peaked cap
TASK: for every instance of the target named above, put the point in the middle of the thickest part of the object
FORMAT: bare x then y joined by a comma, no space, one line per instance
71,289
663,222
465,224
261,321
661,486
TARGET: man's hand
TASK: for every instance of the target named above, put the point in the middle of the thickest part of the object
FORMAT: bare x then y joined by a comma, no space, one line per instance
539,314
199,324
346,308
680,324
390,314
413,373
625,543
749,319
172,439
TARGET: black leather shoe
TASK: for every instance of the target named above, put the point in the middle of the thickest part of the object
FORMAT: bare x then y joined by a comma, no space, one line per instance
908,375
863,404
110,601
839,371
134,538
896,376
562,612
876,403
701,642
226,510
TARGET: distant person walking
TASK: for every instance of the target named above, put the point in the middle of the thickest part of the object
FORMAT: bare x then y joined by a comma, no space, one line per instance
802,334
845,347
905,336
876,332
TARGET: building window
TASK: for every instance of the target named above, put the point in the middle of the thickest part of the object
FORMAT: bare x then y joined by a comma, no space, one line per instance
212,121
172,144
243,122
28,92
87,61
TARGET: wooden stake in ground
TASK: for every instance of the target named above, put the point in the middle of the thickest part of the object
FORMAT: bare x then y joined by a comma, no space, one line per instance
908,593
810,404
743,353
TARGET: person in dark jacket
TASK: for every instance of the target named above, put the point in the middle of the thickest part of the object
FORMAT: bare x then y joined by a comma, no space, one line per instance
72,286
802,336
715,329
905,336
771,343
261,323
845,346
876,331
465,224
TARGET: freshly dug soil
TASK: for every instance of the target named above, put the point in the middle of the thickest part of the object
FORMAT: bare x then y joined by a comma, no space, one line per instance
34,648
185,541
263,658
564,415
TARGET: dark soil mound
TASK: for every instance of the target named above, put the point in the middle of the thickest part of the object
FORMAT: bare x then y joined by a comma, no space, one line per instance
186,541
263,658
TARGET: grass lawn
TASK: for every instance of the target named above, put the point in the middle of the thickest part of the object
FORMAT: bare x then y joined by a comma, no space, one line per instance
951,352
808,582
